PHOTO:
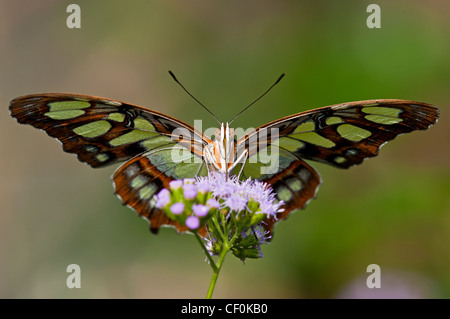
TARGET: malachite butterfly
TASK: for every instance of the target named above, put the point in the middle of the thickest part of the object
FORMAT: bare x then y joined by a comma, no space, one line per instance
103,132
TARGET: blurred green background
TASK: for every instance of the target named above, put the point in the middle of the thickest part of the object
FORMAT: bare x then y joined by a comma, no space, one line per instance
393,211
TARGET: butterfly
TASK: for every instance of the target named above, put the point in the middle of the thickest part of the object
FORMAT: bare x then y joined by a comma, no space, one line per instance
157,148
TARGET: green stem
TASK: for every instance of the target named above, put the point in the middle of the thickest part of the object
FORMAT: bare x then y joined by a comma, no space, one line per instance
208,255
224,223
212,284
223,232
217,226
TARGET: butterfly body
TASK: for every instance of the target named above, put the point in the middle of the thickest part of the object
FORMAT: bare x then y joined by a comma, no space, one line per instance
157,148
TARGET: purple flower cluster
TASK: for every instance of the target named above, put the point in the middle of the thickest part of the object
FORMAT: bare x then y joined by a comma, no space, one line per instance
247,203
186,203
236,195
236,209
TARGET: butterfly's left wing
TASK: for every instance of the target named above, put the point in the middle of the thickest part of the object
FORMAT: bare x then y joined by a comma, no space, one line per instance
100,131
341,135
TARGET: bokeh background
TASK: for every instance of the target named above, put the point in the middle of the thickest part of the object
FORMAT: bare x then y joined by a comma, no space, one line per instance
393,211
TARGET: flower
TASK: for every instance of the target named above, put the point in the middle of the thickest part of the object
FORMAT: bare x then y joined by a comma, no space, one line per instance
192,222
233,211
189,191
177,208
236,203
200,210
237,194
175,184
246,204
202,189
185,204
213,203
163,198
230,211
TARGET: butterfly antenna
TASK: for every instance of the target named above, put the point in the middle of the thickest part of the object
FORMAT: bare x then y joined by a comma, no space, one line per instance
276,82
176,80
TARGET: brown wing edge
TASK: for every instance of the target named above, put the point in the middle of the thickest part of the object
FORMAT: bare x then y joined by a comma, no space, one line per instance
310,181
130,197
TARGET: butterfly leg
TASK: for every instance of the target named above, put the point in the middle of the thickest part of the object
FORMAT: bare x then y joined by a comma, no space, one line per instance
241,159
210,160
